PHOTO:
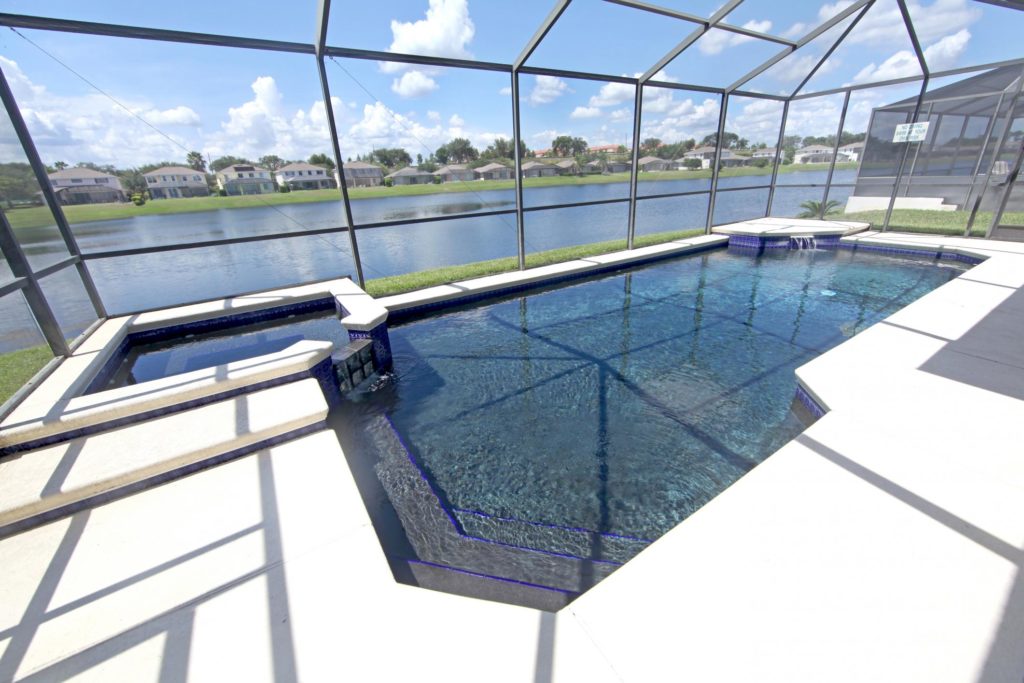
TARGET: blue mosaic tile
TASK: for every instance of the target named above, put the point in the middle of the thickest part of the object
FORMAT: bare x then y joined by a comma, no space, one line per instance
416,311
902,251
808,402
381,345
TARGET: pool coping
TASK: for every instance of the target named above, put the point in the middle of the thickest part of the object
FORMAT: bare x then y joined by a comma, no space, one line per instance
59,407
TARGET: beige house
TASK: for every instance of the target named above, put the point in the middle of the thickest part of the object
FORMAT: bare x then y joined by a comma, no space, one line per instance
568,167
493,172
85,186
455,172
410,176
653,164
175,182
245,179
303,176
538,169
362,174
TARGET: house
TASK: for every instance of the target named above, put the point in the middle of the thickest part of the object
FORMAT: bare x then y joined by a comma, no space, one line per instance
729,158
652,164
537,169
766,153
493,172
455,172
361,174
175,182
705,154
568,167
853,151
245,179
594,166
81,185
813,154
410,176
302,176
624,166
603,149
541,153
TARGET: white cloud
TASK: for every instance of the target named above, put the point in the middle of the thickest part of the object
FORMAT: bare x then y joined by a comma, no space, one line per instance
433,116
585,113
413,84
684,120
506,91
456,121
547,89
757,121
446,31
716,40
621,115
92,128
381,127
940,55
611,94
883,24
945,53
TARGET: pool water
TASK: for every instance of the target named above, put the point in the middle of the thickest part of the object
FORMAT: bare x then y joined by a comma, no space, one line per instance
151,360
581,422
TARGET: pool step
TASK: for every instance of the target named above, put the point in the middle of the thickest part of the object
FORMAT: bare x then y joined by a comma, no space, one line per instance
50,482
482,586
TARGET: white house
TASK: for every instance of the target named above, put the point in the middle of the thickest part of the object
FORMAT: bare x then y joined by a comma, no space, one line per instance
766,153
302,176
705,154
361,174
853,151
812,154
245,179
85,186
174,182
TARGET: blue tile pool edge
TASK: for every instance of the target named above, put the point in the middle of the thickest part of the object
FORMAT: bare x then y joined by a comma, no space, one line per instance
449,512
416,310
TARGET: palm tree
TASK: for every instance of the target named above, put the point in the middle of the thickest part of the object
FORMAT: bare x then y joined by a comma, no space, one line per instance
812,208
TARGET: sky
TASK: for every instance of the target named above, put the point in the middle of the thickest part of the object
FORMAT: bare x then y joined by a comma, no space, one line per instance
251,103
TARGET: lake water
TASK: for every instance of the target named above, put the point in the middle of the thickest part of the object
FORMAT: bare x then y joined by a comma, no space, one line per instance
164,279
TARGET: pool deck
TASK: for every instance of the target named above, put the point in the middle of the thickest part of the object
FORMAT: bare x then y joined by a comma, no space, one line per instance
885,543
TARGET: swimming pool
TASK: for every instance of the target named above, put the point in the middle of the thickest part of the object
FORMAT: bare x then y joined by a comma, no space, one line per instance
542,440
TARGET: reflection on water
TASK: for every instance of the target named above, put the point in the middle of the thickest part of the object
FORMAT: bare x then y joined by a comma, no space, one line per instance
137,282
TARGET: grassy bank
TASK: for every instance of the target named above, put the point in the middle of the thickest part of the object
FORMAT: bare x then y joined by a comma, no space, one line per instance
17,367
397,284
932,222
40,216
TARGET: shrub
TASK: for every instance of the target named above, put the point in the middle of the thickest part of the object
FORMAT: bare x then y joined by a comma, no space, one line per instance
138,199
692,164
760,163
222,193
388,182
285,187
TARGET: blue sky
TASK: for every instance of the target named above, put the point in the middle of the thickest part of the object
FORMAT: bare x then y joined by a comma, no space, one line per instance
250,103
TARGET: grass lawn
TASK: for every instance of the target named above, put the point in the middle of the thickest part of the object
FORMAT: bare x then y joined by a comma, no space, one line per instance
17,367
40,216
932,222
397,284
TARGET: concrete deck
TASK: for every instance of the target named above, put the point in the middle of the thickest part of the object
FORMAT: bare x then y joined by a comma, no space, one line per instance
886,543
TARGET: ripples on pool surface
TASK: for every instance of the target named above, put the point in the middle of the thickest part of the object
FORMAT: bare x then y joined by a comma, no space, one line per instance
618,405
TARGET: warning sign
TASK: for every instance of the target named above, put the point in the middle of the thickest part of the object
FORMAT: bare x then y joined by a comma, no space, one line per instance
911,132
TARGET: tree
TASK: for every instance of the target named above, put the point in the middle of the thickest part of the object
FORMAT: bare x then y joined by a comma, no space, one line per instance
693,164
17,184
502,148
812,208
225,161
393,157
650,145
60,165
567,146
271,162
195,161
457,151
322,160
730,140
134,181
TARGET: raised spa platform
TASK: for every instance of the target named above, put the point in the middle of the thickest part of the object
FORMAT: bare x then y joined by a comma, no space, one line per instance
787,233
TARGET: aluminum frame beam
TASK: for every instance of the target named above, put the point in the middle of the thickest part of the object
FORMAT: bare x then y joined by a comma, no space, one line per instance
822,209
696,19
541,33
903,157
517,151
691,39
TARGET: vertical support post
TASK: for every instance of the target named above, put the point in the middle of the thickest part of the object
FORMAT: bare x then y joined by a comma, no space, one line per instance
637,106
903,157
39,169
1011,179
323,17
835,155
1010,113
717,160
34,296
917,151
517,133
989,127
777,160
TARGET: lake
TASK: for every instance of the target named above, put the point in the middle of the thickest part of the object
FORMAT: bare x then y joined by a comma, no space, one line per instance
163,279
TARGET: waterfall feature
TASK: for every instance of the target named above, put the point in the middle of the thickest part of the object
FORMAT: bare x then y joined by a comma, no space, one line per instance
805,242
